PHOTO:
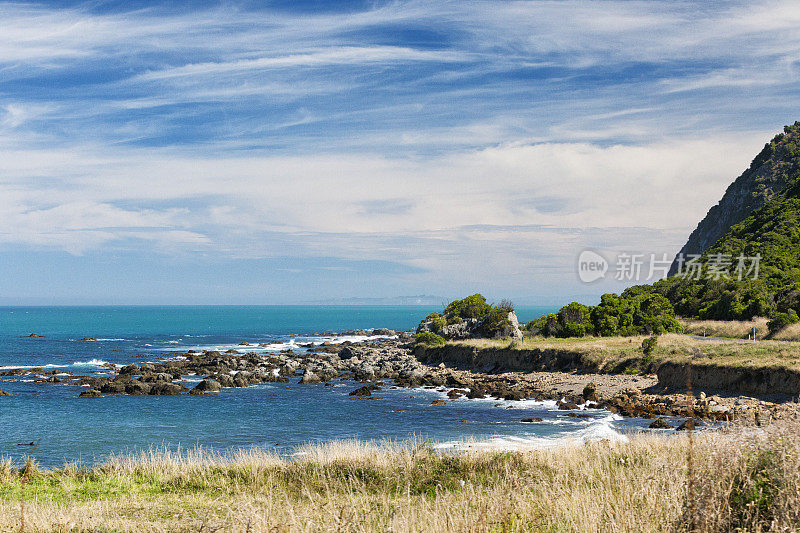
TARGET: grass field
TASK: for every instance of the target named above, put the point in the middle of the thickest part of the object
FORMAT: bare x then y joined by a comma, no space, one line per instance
624,354
734,329
746,478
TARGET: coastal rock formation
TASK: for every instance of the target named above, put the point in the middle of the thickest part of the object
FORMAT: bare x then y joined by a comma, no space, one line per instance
363,391
770,172
458,371
472,328
208,385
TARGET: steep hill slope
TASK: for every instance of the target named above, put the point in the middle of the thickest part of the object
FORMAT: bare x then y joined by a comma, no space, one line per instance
771,232
769,173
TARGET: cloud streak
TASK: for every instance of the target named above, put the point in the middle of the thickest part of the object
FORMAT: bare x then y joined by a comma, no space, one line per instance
419,133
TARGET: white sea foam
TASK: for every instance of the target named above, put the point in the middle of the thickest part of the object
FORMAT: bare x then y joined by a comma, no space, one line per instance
293,343
93,362
594,430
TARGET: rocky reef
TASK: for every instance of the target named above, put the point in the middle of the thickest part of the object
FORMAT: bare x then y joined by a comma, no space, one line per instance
463,371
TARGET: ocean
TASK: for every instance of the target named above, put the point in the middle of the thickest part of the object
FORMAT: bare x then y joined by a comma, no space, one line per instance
50,422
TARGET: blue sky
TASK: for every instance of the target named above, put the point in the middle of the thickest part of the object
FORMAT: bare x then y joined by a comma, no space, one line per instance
282,152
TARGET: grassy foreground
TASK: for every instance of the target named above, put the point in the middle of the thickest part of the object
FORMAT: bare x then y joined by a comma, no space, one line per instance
745,478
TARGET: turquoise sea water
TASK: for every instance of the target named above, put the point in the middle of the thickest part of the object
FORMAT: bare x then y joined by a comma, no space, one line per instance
277,416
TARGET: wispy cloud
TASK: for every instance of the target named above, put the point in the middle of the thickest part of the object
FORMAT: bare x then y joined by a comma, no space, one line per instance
424,133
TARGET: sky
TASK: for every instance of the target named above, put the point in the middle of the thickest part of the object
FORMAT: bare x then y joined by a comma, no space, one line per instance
294,152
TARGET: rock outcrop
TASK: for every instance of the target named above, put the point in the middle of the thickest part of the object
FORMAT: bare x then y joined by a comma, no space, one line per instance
473,328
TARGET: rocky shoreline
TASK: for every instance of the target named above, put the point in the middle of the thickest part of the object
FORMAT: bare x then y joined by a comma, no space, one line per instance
372,363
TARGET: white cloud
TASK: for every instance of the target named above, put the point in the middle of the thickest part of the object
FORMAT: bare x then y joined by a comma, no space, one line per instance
349,55
275,134
237,201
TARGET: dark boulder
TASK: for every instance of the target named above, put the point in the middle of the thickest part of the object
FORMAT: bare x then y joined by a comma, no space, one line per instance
476,393
659,423
531,420
438,402
689,423
590,392
224,379
347,353
4,393
129,369
242,379
364,391
160,376
137,388
113,387
163,388
514,395
567,406
91,393
208,385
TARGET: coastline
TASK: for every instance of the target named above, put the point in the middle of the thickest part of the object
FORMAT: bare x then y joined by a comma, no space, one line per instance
461,370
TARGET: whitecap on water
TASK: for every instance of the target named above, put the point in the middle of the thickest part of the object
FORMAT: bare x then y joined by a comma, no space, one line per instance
595,430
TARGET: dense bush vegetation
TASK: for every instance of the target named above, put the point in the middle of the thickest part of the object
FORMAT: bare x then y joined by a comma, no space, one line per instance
772,232
437,321
489,320
781,320
428,338
474,306
635,312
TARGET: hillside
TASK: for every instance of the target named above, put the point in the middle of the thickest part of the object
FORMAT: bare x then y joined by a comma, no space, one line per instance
771,231
770,172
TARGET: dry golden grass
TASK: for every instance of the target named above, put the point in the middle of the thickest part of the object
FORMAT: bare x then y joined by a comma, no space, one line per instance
623,354
746,478
789,333
732,329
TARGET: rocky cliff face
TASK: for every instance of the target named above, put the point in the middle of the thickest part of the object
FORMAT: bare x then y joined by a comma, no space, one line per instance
771,171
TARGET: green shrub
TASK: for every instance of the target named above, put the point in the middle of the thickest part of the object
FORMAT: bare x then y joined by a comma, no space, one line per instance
754,492
546,325
638,311
438,322
495,321
781,320
474,306
649,344
429,339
